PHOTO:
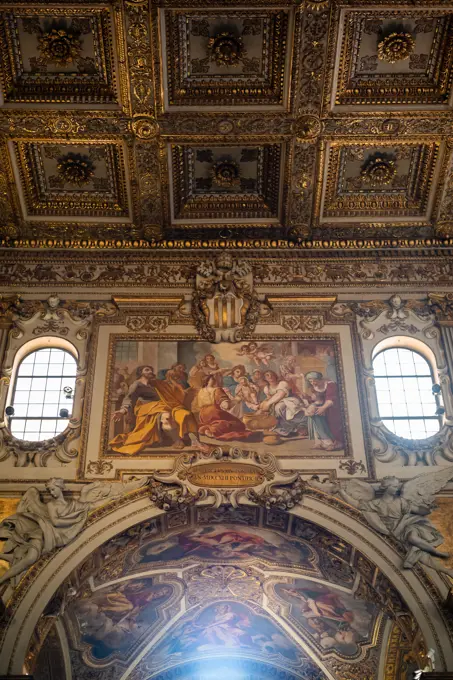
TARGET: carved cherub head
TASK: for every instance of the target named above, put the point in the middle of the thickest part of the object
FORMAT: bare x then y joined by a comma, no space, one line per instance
55,487
391,485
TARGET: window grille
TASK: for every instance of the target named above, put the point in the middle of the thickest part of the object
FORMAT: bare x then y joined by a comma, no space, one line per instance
408,399
44,387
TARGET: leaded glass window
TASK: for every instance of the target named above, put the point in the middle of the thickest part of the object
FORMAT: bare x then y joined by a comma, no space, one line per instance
44,385
404,382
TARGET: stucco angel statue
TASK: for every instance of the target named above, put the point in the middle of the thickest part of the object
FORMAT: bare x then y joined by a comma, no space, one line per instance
38,528
400,509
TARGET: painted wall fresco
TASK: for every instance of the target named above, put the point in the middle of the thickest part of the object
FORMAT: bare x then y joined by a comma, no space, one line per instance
111,620
224,627
165,396
332,618
228,542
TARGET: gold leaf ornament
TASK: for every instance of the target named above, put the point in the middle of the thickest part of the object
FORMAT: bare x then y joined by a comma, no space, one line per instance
59,47
396,47
226,49
226,174
378,171
75,169
145,128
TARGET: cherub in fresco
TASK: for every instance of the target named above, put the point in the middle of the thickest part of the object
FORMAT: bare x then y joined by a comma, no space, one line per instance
259,354
247,392
318,604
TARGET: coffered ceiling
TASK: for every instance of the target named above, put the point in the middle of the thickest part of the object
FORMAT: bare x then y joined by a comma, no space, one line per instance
136,120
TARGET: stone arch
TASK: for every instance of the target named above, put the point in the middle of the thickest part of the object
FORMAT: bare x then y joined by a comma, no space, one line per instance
29,603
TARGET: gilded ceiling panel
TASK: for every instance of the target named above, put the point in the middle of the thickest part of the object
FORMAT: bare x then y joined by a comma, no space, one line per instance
57,55
389,180
394,57
225,183
226,59
61,179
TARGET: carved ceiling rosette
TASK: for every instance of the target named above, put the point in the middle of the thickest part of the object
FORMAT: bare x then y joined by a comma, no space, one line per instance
396,47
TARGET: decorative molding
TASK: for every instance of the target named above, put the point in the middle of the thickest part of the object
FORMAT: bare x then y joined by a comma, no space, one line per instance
224,304
32,319
231,477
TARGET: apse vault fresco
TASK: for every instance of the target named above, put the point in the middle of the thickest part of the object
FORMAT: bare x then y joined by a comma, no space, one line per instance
231,590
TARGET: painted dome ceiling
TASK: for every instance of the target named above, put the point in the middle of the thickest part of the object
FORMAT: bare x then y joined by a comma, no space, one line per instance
133,121
228,594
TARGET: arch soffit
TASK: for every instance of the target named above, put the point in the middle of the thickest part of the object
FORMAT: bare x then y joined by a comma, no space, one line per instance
39,590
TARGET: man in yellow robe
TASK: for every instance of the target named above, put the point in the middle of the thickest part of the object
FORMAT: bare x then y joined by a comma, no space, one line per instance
158,407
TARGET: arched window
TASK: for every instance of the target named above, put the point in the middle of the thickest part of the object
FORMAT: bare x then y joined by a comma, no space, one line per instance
43,393
404,382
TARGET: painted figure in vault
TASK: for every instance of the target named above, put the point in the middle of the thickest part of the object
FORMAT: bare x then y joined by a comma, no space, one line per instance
112,619
230,627
333,618
158,407
227,542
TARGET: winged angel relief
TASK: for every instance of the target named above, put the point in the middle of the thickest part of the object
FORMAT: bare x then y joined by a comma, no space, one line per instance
37,529
401,509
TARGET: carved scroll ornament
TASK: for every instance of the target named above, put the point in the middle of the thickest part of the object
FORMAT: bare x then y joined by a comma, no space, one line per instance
224,305
227,477
31,319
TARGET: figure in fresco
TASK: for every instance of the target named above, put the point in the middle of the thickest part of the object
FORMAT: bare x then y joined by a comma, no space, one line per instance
334,619
223,542
290,373
226,626
158,409
111,620
247,393
401,511
259,354
289,409
175,375
213,404
325,424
